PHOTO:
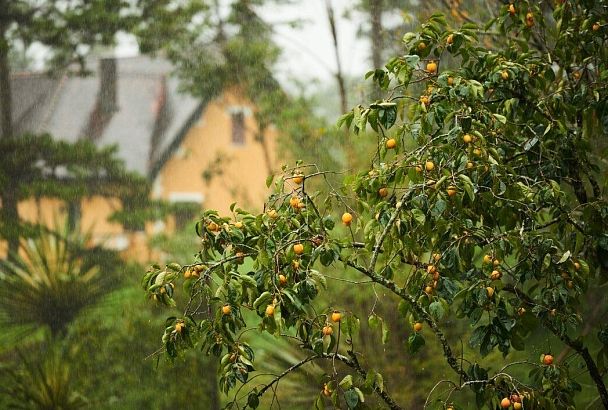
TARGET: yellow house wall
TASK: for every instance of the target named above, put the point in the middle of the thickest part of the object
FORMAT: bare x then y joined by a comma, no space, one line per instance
243,179
94,215
244,166
48,211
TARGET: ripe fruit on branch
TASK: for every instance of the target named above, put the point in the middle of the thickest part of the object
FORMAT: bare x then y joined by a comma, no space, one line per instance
336,316
505,403
529,19
294,202
298,178
327,330
383,192
452,190
467,138
391,143
270,310
282,280
347,218
417,327
431,67
547,359
429,165
298,249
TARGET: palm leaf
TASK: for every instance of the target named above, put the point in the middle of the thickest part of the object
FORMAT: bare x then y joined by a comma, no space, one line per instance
49,281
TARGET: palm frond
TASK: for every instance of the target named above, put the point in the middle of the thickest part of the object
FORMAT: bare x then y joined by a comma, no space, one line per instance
49,281
43,384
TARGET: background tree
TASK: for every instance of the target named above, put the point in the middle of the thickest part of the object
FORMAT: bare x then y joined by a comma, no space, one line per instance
68,30
39,166
497,218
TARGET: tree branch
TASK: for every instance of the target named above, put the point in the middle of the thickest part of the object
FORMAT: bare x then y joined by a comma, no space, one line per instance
576,345
352,363
387,228
421,311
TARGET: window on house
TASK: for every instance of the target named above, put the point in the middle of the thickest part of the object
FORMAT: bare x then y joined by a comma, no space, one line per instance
238,128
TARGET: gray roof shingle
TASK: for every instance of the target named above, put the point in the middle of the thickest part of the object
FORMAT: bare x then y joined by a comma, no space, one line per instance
151,111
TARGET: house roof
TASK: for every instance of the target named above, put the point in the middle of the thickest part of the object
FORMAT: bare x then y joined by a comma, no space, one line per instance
150,116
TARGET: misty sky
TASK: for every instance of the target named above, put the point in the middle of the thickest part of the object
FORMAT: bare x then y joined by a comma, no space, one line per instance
307,51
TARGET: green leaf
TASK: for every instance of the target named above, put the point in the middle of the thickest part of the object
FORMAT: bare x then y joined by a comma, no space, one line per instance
530,143
403,308
328,223
269,180
351,325
564,257
262,299
373,321
419,216
468,186
436,310
385,333
379,382
352,398
360,394
415,342
347,382
501,118
412,61
253,401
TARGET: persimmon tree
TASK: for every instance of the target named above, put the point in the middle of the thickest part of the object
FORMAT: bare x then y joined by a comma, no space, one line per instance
483,202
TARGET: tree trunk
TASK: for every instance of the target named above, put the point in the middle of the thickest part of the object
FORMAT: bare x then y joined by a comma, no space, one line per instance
375,11
6,108
376,39
268,161
214,392
339,75
9,213
10,217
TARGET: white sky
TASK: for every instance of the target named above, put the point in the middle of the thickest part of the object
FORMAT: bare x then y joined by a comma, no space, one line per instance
308,52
